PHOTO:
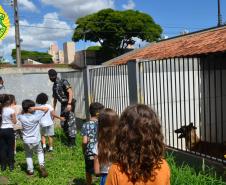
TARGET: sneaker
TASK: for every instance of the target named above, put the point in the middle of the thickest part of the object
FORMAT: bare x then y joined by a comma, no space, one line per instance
43,171
30,173
50,149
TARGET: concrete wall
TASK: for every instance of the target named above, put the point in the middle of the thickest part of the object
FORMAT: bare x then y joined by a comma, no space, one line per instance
27,83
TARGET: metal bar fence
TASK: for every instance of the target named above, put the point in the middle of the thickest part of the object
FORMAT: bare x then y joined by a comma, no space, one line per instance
77,83
188,96
109,86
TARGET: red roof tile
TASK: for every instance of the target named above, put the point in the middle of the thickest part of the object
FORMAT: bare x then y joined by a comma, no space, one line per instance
203,42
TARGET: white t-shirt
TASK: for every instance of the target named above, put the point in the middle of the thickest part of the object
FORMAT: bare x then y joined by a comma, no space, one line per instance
103,168
47,118
7,117
31,127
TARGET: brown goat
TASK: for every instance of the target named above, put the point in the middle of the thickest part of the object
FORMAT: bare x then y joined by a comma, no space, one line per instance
193,142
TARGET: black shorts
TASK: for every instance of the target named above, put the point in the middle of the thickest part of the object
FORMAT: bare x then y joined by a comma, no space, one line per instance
89,165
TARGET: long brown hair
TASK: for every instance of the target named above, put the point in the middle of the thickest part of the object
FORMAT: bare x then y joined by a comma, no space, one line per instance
107,125
139,143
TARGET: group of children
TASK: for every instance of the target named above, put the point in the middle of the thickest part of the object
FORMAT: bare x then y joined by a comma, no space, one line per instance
124,150
28,119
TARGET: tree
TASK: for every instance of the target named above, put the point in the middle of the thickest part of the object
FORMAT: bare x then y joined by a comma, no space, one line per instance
41,57
115,30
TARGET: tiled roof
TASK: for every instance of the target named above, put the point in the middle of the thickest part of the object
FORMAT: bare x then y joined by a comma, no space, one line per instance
193,44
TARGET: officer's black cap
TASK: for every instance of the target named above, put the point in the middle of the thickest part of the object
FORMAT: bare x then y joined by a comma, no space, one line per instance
52,73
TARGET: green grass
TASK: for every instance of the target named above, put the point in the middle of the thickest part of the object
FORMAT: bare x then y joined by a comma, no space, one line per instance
66,167
185,175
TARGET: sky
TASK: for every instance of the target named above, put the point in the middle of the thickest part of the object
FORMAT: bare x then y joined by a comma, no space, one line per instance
41,20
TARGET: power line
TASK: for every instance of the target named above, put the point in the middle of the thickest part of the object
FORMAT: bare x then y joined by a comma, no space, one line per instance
71,29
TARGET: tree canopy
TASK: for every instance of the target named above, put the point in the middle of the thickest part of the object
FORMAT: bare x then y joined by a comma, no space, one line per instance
41,57
115,30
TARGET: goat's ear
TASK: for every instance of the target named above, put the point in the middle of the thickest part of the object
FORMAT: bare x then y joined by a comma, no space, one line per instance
191,124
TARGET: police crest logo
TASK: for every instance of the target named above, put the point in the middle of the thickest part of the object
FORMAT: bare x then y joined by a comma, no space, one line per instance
4,23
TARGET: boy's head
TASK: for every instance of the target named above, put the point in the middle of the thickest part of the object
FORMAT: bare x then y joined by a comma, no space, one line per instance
95,108
42,98
27,104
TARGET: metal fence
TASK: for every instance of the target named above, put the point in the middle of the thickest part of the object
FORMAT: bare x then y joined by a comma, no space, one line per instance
188,94
77,82
109,86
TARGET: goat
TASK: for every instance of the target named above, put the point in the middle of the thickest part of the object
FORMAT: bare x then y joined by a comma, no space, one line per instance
194,143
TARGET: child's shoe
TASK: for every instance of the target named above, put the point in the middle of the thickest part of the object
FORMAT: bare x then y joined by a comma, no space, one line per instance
43,171
50,149
30,173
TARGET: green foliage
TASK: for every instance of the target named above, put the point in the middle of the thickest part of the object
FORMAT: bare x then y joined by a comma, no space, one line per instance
41,57
115,30
186,175
94,48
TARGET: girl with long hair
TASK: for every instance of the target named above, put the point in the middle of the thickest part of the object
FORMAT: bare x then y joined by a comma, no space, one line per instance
7,138
139,156
107,126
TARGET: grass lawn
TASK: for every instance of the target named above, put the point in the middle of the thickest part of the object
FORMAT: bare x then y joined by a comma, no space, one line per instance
66,167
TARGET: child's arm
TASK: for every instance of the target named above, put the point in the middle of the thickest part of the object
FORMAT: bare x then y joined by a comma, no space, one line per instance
13,118
44,109
96,165
84,143
54,103
54,115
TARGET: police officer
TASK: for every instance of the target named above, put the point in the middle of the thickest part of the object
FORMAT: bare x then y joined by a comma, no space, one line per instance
62,92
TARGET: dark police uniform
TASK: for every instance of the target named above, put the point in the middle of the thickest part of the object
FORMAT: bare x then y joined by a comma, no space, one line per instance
60,88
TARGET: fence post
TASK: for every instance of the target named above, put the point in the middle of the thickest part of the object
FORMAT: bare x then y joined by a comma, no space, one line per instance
87,100
133,79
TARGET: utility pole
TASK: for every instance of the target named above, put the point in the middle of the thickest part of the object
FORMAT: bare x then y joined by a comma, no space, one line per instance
219,14
17,33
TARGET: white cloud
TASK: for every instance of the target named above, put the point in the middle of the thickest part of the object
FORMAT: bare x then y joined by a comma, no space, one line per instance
34,38
139,43
130,5
28,5
77,8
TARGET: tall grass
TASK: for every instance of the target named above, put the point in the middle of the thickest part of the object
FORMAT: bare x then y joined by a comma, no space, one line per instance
66,167
185,175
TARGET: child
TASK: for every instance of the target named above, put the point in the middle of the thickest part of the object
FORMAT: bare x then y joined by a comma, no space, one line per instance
70,128
139,148
46,122
107,125
7,138
31,134
89,133
16,127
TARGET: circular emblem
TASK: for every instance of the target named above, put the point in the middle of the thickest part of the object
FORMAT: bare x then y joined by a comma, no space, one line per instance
4,23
